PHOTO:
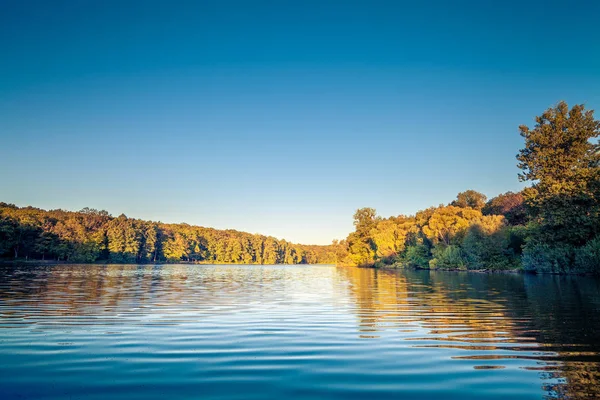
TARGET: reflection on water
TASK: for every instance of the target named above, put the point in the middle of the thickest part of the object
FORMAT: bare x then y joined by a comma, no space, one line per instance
183,331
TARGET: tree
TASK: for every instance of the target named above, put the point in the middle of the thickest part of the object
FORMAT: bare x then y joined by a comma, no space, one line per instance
389,236
486,244
508,204
8,235
561,158
447,224
90,235
271,251
470,198
365,219
361,246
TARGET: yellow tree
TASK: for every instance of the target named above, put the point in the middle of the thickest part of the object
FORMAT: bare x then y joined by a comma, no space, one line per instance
447,223
389,236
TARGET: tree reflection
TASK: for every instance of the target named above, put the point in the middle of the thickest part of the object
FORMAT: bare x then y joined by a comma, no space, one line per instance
496,316
548,324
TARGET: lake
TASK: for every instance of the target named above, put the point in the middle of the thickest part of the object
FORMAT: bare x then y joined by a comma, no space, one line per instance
296,332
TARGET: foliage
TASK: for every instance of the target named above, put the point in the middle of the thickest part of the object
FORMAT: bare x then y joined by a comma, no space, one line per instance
508,204
95,236
447,257
447,224
470,198
546,258
488,245
552,226
517,237
434,238
561,159
417,256
389,236
587,258
361,245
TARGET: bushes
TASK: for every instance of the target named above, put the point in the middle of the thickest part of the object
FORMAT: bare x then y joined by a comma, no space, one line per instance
417,256
491,249
477,247
587,258
447,257
517,236
562,258
541,257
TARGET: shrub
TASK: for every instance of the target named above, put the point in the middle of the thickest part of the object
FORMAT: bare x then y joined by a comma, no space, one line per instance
587,258
517,236
448,257
417,256
485,249
544,258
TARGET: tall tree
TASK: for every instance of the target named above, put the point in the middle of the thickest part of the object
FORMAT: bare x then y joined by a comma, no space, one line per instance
361,245
561,158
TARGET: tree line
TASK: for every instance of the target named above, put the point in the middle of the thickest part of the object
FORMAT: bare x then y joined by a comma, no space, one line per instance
551,226
91,236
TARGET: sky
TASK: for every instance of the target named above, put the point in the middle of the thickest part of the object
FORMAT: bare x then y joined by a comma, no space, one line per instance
279,117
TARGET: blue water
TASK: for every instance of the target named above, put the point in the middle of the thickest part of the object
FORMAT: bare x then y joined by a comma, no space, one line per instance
299,332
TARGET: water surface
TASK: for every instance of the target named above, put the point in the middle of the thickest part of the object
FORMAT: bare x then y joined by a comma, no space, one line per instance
298,332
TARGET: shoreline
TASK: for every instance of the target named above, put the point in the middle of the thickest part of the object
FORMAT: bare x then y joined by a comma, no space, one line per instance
515,271
54,262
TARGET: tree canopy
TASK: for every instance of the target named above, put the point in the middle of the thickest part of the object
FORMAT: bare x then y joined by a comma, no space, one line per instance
561,159
470,198
95,236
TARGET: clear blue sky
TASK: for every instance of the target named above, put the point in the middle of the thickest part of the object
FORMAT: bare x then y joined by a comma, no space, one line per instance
279,117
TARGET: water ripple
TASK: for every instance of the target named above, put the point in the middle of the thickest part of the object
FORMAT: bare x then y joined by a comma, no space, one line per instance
228,332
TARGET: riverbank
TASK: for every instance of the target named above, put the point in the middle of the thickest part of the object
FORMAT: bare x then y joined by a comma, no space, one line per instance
55,262
479,271
511,271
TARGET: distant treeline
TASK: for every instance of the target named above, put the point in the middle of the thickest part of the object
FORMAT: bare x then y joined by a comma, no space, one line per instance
551,226
91,236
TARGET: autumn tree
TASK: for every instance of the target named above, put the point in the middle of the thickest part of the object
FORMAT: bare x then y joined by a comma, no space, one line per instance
361,246
508,204
447,224
389,236
470,198
90,235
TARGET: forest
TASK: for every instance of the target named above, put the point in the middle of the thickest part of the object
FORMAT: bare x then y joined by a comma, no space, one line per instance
551,226
90,236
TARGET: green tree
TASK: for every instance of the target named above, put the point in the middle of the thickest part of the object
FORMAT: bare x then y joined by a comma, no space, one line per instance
447,257
561,158
470,198
8,235
417,255
124,239
487,244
